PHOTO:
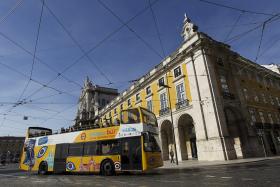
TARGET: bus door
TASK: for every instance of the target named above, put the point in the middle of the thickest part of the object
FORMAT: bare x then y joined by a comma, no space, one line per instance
61,153
131,154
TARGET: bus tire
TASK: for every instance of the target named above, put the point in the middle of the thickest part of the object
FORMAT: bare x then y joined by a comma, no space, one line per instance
107,168
43,168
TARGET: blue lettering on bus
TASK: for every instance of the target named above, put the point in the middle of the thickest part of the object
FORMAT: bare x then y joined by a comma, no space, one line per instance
129,129
43,140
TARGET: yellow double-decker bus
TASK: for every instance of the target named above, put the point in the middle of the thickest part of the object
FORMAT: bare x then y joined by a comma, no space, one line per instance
133,145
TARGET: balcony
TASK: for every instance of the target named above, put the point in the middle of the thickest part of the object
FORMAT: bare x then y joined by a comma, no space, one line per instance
182,104
228,96
164,111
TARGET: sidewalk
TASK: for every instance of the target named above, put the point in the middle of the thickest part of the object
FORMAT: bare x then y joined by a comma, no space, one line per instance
9,166
197,164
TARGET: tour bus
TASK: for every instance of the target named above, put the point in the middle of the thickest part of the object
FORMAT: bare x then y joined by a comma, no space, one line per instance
133,145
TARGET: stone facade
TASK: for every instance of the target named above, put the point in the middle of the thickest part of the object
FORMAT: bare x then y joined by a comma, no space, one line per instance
10,148
215,105
92,99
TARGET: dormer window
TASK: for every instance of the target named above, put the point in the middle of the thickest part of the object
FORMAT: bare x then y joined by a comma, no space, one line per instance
138,97
161,82
148,90
177,72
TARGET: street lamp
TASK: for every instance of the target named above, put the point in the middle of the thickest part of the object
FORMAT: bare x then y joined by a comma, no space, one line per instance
171,115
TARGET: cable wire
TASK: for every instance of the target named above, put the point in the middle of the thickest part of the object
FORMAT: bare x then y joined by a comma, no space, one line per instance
38,82
111,34
34,53
234,8
77,43
11,11
234,25
130,29
240,35
157,28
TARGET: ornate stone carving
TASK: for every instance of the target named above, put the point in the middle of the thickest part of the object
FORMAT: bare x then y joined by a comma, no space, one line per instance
189,29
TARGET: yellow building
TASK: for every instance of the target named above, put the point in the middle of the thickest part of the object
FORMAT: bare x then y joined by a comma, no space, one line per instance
223,105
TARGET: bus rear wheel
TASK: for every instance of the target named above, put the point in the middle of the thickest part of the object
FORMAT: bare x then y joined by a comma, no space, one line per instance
43,168
107,168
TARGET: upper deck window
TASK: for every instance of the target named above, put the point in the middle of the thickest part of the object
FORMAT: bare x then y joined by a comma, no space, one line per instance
130,116
149,118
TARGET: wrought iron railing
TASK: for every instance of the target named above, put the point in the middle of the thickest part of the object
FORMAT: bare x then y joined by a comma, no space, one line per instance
164,111
229,96
182,103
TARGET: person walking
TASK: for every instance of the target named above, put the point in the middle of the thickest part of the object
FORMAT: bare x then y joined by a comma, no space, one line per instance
172,156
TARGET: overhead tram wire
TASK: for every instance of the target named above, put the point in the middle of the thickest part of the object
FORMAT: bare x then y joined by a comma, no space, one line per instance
260,43
267,21
34,53
274,42
38,59
157,28
4,18
234,25
11,11
31,71
230,26
77,43
234,8
38,82
130,29
62,111
111,34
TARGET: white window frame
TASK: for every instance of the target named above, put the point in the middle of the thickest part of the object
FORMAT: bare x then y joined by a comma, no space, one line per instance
129,102
261,114
149,89
245,93
269,116
138,98
253,116
166,100
164,81
181,73
184,91
150,101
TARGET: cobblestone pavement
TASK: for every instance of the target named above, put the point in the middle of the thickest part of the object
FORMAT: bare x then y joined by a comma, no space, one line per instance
261,173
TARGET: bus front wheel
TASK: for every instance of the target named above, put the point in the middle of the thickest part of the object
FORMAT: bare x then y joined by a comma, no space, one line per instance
43,168
107,168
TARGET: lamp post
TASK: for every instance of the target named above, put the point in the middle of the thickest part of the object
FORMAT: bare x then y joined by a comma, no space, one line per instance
171,115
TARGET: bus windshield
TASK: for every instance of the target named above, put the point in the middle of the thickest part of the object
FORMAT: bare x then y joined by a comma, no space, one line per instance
149,118
38,131
130,116
151,142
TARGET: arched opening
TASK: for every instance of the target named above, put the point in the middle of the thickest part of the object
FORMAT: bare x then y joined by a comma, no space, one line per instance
167,142
187,137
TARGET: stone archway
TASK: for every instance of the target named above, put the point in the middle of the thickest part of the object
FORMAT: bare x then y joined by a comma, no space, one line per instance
166,138
187,137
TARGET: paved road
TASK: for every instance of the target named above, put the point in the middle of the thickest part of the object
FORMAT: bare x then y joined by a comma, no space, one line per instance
262,173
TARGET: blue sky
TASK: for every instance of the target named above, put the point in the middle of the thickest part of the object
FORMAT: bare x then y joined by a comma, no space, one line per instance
122,57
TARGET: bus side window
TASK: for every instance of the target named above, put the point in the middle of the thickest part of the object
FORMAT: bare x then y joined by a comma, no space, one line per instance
90,148
76,149
109,147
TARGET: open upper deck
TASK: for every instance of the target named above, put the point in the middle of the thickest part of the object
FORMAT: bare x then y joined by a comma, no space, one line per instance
133,121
